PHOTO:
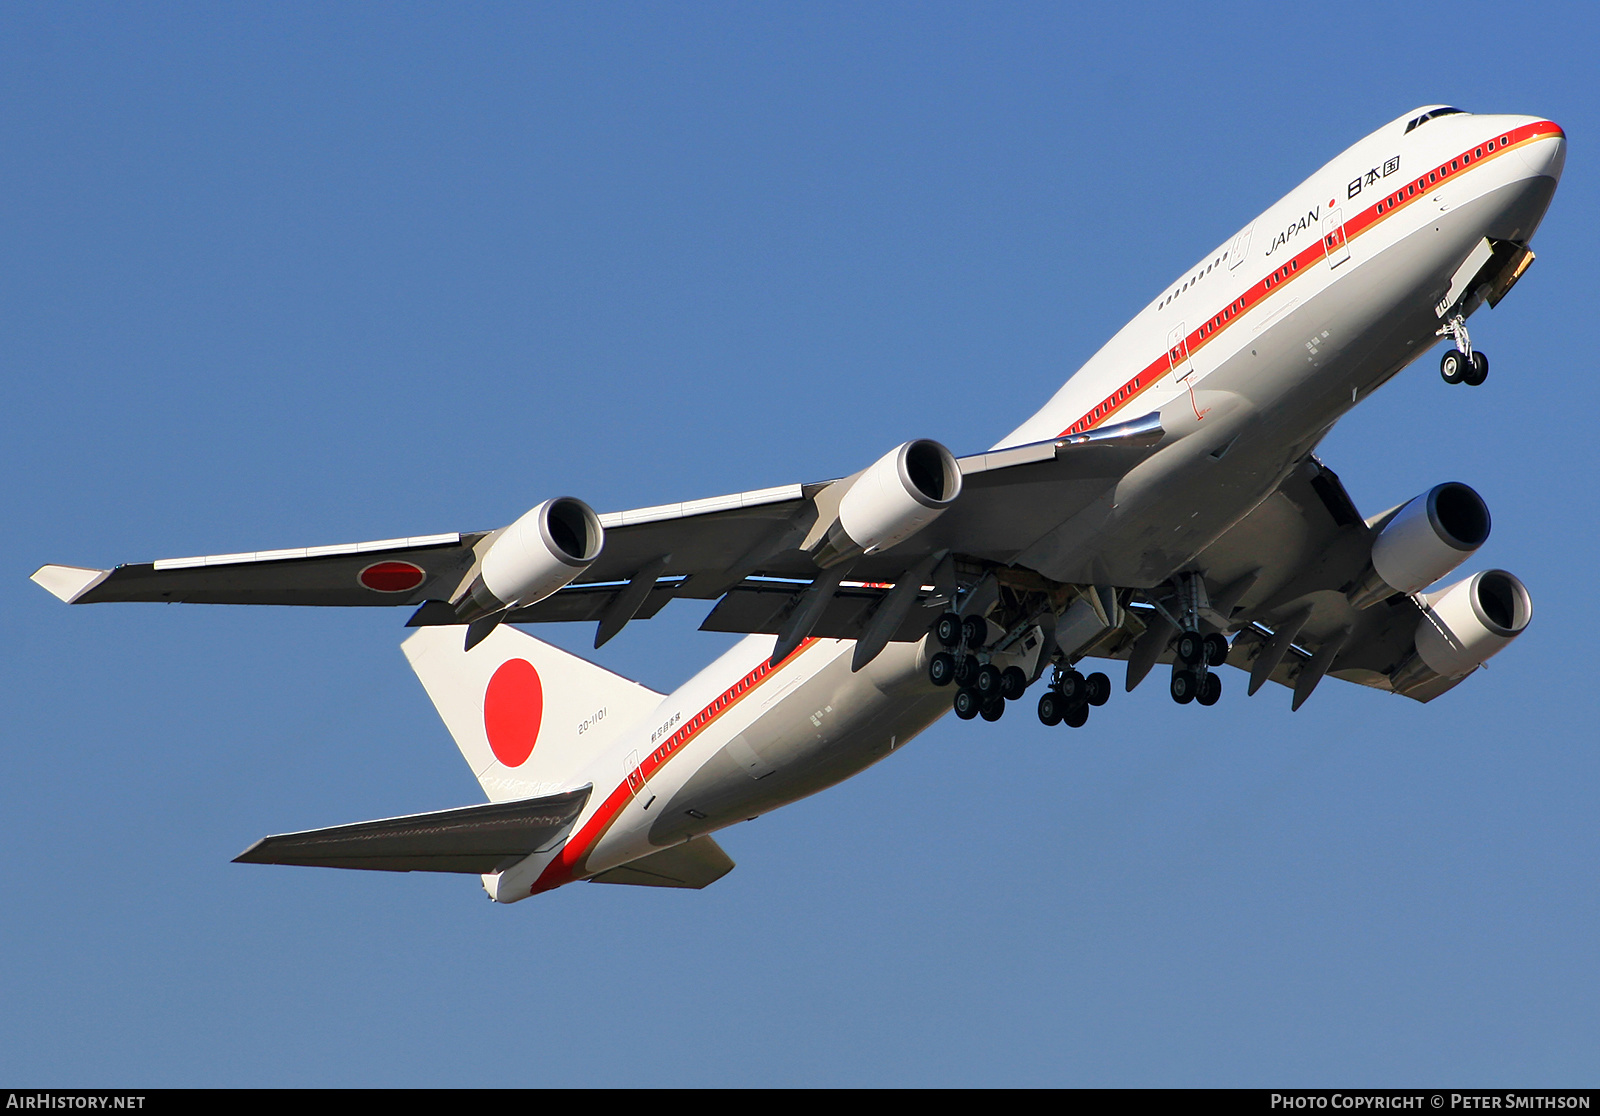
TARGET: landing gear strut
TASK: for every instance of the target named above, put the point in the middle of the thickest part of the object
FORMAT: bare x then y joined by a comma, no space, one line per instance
1461,365
1194,654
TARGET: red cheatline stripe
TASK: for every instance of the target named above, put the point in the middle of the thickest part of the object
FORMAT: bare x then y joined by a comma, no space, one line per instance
1295,267
569,862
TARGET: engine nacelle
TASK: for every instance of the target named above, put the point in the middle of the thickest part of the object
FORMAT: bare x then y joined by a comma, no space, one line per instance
541,552
1466,624
895,497
1423,541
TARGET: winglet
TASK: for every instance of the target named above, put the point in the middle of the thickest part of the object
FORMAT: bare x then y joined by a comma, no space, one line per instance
68,582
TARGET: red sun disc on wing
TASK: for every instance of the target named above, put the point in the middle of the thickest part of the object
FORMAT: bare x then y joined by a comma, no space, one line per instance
391,577
513,707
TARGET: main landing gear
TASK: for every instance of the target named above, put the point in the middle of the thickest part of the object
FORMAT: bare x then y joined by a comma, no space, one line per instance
1070,695
1194,654
1461,365
984,688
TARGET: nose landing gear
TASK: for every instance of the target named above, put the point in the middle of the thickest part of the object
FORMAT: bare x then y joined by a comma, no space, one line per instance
1461,364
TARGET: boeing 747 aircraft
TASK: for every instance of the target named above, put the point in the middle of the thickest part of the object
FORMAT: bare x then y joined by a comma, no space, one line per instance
1166,506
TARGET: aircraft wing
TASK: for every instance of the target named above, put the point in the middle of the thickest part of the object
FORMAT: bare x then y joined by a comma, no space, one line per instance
473,839
701,549
387,572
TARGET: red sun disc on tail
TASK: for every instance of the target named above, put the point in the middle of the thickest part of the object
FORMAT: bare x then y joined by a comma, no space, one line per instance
391,577
513,707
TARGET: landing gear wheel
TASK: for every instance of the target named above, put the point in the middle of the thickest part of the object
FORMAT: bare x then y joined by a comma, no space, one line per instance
1210,690
1013,683
1051,708
1097,689
966,670
994,710
947,629
1453,366
974,629
967,703
1185,685
1077,716
988,682
942,669
1479,371
1216,650
1189,648
1072,686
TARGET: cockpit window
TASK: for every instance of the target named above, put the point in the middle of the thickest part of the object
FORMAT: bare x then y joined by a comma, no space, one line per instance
1427,116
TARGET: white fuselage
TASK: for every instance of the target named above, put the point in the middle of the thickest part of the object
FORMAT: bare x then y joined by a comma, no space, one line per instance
1250,358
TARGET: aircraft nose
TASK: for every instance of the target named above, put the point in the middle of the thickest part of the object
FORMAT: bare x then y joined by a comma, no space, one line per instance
1546,155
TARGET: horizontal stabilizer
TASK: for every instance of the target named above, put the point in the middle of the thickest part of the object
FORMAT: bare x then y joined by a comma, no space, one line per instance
698,862
473,839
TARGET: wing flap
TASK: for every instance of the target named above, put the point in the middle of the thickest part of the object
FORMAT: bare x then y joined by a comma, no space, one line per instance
589,602
472,839
761,607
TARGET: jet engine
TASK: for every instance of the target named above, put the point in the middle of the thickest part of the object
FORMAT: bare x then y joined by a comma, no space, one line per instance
892,499
544,550
1466,624
1426,539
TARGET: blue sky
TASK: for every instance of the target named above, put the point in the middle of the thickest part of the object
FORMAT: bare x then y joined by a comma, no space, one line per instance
288,275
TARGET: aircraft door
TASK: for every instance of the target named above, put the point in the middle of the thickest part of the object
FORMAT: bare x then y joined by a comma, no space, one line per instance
635,780
1333,238
1178,352
1240,247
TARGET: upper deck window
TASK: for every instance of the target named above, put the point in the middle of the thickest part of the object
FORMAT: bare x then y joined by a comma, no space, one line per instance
1427,116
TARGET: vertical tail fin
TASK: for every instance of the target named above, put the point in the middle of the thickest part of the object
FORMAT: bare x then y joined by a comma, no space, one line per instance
526,715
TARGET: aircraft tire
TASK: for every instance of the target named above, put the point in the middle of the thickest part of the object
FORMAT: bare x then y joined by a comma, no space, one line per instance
1216,649
975,629
1479,372
1189,648
993,710
1013,683
1210,690
967,703
942,669
1097,689
1071,686
1077,716
966,670
947,629
1453,366
1051,708
988,682
1184,686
